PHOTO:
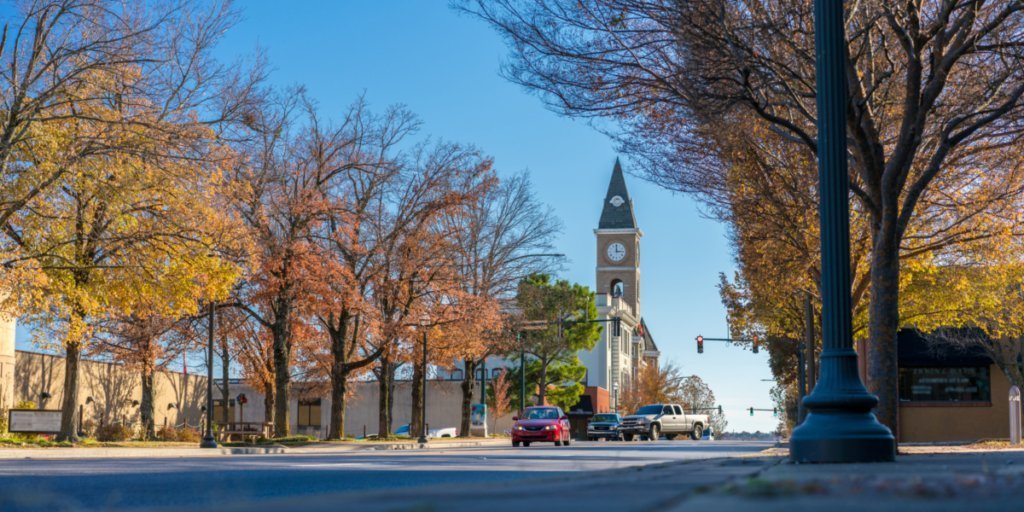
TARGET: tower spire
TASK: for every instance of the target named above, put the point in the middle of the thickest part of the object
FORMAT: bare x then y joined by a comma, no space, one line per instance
618,206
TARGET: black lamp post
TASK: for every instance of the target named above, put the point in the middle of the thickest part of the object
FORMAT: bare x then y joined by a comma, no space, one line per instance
839,426
424,322
208,440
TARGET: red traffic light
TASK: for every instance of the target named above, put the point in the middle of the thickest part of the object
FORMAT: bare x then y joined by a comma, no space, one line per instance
700,344
755,344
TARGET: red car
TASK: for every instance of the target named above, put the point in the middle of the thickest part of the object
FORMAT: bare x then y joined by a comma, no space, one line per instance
541,424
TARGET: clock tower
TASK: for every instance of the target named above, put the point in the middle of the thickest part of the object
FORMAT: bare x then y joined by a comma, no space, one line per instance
618,245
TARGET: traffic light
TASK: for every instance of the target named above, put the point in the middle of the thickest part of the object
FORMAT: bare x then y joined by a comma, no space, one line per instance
616,326
719,409
775,411
700,344
751,411
755,344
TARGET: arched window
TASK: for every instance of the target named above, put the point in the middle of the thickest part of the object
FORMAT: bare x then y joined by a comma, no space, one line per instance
617,288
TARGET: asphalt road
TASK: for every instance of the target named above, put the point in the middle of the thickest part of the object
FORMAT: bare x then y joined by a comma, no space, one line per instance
238,481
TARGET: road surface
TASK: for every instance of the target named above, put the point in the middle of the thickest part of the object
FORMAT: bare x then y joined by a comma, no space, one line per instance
344,480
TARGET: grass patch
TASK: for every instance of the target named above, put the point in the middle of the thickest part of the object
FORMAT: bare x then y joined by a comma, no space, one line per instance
31,441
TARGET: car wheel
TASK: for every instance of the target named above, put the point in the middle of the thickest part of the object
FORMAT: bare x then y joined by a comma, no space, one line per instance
558,443
526,444
566,442
627,437
698,432
655,432
591,438
515,444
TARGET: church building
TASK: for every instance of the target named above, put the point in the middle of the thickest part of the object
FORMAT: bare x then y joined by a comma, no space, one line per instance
614,364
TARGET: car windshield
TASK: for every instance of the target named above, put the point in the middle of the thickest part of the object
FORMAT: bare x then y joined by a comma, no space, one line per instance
541,414
650,409
611,418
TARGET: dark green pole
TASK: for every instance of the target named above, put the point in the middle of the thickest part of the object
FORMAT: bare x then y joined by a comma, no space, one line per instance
522,375
840,426
209,441
423,408
483,380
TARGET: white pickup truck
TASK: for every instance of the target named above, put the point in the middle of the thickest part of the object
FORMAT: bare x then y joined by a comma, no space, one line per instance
654,420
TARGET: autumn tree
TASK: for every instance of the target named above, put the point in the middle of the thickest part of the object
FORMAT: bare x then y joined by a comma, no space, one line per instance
696,396
126,235
277,191
567,309
935,88
500,396
64,60
387,244
653,385
982,304
503,236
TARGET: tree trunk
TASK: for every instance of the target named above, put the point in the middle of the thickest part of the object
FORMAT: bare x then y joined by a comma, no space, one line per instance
339,386
339,376
282,377
69,404
468,386
415,426
268,403
386,388
883,323
542,383
146,409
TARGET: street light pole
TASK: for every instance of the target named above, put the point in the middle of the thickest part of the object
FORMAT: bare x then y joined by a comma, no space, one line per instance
208,440
840,426
423,409
522,374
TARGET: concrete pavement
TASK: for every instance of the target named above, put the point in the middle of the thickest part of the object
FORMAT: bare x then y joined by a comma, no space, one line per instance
929,479
499,478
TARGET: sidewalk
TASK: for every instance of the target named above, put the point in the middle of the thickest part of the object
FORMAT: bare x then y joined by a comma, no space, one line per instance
937,478
84,452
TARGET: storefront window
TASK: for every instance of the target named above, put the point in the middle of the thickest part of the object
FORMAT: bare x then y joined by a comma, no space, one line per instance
945,384
309,413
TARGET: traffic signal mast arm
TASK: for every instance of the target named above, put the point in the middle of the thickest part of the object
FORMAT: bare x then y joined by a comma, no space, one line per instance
701,339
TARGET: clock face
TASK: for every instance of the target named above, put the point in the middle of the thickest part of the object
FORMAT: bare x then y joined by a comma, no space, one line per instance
616,251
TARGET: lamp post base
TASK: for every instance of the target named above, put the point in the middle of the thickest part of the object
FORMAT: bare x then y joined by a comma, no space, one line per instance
422,440
841,436
208,442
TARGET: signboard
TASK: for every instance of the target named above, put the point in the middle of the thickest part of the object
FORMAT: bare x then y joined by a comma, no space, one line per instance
478,420
33,421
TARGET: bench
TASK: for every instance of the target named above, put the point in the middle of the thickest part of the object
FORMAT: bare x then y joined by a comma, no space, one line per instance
244,430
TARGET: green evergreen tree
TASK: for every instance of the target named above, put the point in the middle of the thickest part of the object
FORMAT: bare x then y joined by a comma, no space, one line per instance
554,371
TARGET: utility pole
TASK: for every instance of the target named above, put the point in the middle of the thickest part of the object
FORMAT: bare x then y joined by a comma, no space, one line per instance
840,426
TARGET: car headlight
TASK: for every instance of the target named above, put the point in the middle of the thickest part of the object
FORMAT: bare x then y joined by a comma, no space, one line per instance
549,427
519,427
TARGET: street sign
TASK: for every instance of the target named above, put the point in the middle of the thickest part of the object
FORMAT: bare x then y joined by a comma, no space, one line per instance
33,421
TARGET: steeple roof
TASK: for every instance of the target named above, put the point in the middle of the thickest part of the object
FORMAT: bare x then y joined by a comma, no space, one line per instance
617,213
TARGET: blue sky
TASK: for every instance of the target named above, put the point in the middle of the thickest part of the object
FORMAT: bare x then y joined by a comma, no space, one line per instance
444,66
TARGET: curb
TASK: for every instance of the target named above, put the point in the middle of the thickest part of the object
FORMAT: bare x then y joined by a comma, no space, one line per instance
226,451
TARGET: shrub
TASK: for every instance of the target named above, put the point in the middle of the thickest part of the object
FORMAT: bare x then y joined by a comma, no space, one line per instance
26,404
183,434
114,432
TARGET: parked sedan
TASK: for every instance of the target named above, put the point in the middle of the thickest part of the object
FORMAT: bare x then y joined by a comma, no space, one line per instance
604,426
541,424
403,431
